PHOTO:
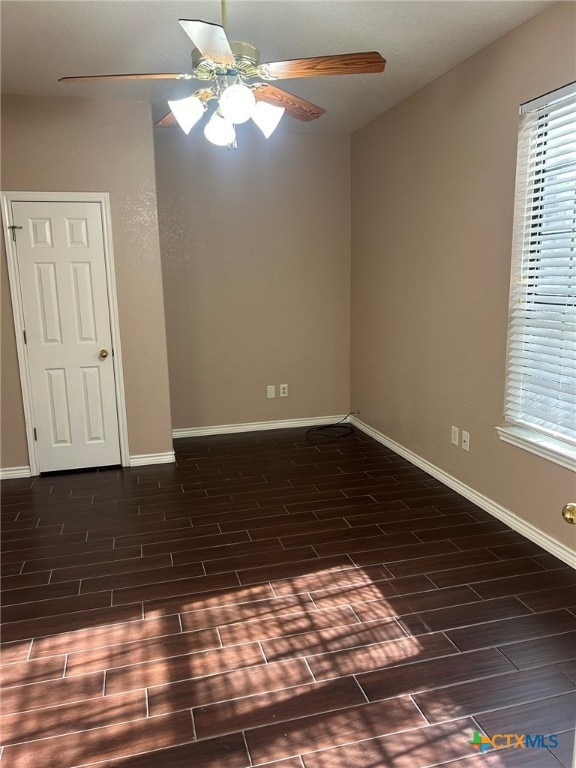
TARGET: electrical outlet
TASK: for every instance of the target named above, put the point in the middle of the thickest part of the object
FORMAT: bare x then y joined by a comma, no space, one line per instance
271,391
283,389
465,440
455,439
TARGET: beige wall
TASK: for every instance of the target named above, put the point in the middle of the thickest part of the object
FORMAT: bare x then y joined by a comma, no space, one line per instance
432,192
13,446
256,262
87,145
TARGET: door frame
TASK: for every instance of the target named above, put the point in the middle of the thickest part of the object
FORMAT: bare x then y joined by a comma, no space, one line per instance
103,200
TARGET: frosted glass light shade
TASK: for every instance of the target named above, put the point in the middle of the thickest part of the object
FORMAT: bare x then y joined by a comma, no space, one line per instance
267,116
219,131
187,112
237,103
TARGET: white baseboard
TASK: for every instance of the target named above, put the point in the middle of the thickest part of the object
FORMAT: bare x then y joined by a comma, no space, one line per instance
254,426
9,473
528,530
152,458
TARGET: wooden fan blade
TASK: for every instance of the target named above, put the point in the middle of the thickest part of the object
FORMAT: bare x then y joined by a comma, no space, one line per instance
144,76
342,64
210,39
294,105
168,119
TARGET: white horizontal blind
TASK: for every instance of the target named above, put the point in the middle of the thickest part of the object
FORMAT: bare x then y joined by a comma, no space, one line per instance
541,370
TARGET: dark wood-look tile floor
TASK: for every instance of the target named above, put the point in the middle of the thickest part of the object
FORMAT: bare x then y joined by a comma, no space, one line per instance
274,601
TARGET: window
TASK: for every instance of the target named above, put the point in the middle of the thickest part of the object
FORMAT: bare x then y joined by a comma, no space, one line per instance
541,366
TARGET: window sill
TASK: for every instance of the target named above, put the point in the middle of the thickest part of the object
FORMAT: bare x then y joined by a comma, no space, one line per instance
545,447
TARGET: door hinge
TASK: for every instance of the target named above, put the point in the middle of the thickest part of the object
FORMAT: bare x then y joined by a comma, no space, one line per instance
13,227
35,434
25,339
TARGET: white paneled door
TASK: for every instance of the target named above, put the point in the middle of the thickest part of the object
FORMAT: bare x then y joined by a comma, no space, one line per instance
60,255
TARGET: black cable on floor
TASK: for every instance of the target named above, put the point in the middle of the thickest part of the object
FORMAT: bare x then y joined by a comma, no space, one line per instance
335,431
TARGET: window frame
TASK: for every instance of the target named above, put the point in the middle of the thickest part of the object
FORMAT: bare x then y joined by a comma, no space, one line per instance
515,431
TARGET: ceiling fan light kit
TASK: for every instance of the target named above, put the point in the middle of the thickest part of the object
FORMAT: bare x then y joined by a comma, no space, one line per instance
232,67
187,111
237,103
267,116
220,131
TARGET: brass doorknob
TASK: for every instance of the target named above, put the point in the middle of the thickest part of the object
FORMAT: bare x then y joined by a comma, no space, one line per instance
569,513
103,354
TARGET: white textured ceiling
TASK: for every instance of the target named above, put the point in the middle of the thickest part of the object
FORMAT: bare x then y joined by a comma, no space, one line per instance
43,40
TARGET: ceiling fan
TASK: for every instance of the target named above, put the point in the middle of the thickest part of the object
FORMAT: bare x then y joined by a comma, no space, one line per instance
233,74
